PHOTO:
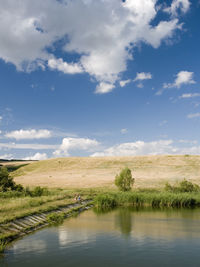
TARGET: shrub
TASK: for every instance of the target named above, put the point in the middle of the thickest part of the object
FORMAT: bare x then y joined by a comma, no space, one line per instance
7,183
124,180
38,191
55,218
183,186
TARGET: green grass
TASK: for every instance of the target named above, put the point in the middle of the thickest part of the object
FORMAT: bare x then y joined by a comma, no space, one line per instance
55,218
154,199
14,205
3,245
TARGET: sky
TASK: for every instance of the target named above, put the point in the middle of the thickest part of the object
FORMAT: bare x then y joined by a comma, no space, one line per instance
99,78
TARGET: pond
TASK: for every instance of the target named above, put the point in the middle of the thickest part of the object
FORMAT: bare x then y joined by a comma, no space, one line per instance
121,237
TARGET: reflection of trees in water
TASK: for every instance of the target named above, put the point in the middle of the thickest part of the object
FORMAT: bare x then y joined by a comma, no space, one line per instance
123,221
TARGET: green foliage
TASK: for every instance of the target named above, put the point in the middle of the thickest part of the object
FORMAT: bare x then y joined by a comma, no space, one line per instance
3,245
105,201
7,183
124,180
55,218
39,191
183,186
139,199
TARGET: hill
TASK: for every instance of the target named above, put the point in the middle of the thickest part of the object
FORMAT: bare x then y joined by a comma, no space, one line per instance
76,172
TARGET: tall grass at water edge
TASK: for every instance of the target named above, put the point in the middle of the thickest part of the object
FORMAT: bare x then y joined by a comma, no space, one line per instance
161,199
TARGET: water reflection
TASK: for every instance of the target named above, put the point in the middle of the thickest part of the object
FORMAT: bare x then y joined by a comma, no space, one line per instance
118,237
154,223
123,220
35,245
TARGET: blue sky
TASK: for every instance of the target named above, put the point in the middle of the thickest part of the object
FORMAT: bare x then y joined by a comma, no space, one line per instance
99,78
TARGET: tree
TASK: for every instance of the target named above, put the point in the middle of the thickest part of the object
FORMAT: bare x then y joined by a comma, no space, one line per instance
124,180
6,181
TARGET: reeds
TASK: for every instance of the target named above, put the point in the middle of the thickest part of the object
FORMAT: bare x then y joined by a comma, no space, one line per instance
160,199
3,245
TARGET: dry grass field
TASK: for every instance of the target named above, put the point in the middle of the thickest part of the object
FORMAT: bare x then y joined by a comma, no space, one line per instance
80,172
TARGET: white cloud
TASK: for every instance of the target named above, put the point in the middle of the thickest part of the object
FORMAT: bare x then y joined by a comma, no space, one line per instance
138,148
182,78
124,131
143,76
183,141
104,88
67,68
6,156
193,115
101,34
182,5
29,134
70,144
28,146
37,156
190,95
1,118
124,82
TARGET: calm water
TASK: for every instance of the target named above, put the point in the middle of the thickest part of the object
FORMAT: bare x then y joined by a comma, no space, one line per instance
122,237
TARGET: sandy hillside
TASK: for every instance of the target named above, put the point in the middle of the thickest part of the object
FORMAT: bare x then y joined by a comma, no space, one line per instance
149,171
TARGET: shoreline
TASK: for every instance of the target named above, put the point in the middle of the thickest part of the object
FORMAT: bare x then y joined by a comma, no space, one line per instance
23,226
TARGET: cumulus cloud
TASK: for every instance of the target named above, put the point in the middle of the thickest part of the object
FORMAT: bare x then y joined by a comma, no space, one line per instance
138,148
143,76
182,5
70,144
59,64
193,115
100,33
104,88
37,156
124,82
6,156
182,78
29,134
190,95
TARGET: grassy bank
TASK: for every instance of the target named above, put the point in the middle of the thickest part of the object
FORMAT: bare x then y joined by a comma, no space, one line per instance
154,199
15,205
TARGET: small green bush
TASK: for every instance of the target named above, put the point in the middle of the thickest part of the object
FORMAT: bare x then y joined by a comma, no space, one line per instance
36,192
55,218
7,183
182,187
124,180
39,191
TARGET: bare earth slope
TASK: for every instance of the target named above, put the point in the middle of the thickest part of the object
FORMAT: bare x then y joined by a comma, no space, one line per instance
149,171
